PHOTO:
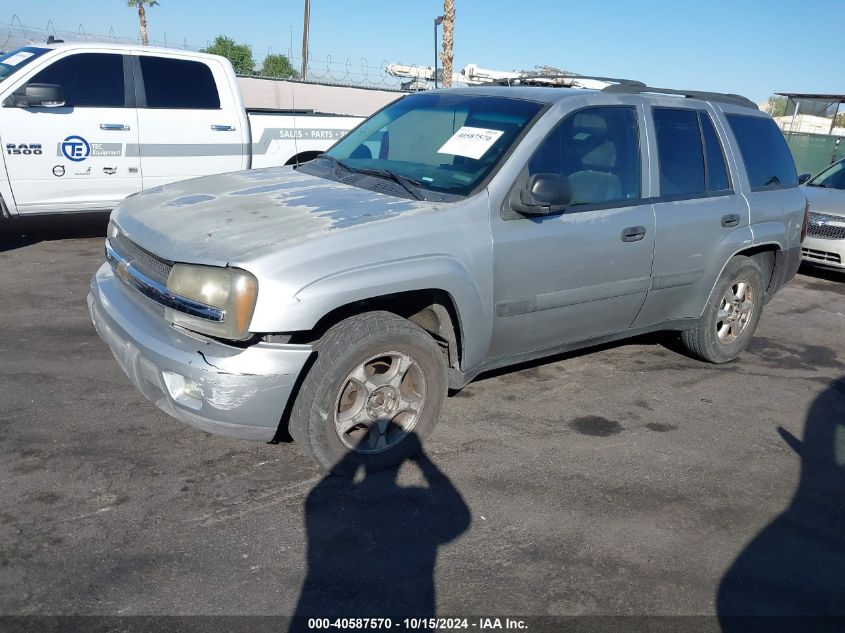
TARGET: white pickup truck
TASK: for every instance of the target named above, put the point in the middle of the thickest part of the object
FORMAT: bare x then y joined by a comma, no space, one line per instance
84,125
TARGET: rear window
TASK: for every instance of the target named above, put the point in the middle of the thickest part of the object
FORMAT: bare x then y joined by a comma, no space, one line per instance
764,151
717,171
680,152
178,84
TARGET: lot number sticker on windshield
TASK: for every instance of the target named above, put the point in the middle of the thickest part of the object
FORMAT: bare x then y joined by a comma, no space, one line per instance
472,142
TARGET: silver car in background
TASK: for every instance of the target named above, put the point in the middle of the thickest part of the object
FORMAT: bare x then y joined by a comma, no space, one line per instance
825,243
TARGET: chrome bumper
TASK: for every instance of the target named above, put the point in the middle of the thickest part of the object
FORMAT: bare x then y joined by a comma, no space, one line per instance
238,392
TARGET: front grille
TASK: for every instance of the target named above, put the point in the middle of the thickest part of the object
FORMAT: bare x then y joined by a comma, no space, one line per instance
152,266
821,227
821,256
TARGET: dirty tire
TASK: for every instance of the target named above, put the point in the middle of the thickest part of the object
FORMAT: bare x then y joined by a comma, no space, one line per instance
705,341
341,351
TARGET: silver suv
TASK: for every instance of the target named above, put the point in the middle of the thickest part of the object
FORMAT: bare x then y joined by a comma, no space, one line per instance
453,232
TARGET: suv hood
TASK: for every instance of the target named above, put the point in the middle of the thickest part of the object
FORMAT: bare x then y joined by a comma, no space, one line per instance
825,200
219,219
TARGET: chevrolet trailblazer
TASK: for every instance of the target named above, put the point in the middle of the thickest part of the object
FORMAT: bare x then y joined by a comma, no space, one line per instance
453,232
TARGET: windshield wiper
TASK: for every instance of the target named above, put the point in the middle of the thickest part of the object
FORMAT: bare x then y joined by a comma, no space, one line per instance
408,184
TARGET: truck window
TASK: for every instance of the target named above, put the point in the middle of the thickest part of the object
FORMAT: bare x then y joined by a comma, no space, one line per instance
178,84
680,152
597,149
764,151
714,155
89,80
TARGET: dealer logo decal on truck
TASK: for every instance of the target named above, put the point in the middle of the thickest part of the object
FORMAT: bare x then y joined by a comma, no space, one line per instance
23,149
75,148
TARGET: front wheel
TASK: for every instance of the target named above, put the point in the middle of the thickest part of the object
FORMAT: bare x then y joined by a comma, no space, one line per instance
731,315
376,390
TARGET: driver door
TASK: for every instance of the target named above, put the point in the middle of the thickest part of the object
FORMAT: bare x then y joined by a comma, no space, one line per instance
583,273
73,157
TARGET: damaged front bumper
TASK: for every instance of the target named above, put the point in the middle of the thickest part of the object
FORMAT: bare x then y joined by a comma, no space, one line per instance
222,389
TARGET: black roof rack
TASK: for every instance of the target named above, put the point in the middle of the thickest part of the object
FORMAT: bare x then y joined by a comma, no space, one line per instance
535,80
691,94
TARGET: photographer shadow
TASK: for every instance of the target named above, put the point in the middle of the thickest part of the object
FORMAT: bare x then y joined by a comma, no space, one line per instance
372,544
795,567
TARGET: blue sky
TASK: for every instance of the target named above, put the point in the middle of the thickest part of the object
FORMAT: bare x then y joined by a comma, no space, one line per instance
751,47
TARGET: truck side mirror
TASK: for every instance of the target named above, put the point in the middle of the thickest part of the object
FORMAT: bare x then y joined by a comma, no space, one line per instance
543,194
804,178
38,95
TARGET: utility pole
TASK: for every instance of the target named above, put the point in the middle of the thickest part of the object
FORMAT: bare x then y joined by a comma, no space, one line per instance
307,20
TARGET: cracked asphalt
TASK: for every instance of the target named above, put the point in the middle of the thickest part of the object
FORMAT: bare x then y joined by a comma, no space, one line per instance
625,479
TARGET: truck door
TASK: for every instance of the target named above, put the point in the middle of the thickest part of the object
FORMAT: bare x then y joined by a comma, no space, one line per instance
73,157
189,118
582,273
701,215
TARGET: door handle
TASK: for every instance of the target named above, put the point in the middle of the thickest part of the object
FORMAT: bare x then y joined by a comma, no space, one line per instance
633,234
114,126
222,128
732,219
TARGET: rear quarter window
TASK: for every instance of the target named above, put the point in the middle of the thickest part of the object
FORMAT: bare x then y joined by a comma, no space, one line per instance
765,153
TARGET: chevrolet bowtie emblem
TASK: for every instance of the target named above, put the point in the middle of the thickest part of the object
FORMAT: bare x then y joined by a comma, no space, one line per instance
122,271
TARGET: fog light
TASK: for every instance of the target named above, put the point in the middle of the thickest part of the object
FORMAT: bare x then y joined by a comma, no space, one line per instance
183,390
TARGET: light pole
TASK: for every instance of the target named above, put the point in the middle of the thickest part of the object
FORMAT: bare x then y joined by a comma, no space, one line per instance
438,20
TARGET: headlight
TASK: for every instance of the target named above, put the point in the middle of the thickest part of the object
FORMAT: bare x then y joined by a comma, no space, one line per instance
232,290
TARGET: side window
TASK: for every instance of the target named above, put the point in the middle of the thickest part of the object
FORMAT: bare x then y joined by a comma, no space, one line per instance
179,84
717,171
89,80
764,151
679,152
597,149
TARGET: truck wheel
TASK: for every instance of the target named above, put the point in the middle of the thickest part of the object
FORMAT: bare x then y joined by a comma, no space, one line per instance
376,389
731,315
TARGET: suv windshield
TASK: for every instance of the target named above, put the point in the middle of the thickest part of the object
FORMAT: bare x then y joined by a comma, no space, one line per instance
13,61
833,177
435,142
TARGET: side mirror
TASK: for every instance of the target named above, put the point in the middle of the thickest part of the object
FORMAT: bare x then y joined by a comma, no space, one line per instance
543,194
38,95
804,178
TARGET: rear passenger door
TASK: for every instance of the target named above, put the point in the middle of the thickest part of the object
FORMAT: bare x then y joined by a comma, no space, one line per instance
189,119
699,211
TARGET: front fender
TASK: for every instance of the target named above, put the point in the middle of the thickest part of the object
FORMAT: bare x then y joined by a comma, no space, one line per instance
438,272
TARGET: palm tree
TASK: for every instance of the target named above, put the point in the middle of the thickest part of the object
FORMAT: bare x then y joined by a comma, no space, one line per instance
448,40
142,16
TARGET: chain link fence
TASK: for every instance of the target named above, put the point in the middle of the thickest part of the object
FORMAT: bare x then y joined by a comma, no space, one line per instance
340,70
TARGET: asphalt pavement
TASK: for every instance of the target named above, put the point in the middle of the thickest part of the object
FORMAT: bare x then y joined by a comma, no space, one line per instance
625,480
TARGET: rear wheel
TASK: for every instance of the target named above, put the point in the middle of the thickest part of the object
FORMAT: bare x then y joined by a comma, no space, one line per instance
376,389
731,315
